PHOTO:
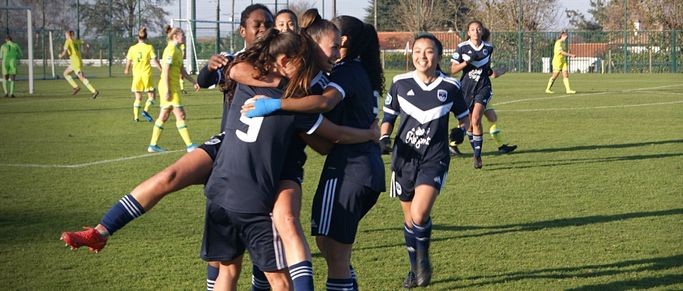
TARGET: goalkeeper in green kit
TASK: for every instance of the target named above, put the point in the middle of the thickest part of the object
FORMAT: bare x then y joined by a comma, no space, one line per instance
10,52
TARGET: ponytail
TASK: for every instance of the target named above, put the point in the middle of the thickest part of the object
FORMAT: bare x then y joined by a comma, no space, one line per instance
315,26
362,42
171,31
142,33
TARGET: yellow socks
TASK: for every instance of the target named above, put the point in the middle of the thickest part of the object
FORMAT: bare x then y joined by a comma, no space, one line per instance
156,132
184,133
566,86
496,134
70,80
550,85
87,85
149,103
136,109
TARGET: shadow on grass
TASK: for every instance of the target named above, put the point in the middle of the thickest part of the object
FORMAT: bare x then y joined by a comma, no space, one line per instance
533,226
596,147
589,271
555,163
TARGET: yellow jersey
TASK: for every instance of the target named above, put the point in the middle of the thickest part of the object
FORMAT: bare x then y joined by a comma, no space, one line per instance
73,48
174,59
141,55
557,51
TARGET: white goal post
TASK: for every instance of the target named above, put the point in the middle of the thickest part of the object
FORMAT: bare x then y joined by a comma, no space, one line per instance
191,48
29,37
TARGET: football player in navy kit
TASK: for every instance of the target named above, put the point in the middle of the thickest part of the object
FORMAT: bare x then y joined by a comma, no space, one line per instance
353,175
473,58
422,100
256,144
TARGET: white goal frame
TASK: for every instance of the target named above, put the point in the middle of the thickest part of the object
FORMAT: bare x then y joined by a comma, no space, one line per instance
191,48
29,37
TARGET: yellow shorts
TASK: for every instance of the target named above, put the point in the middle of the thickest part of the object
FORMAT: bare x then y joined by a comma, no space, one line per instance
76,65
175,98
560,66
142,83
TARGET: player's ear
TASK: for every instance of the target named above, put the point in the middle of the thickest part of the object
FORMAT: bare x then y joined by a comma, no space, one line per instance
243,32
344,38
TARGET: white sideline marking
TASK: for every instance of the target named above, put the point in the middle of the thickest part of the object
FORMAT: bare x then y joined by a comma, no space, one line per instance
593,107
584,94
90,163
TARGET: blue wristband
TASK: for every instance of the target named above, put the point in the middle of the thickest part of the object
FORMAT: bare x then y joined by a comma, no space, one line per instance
264,106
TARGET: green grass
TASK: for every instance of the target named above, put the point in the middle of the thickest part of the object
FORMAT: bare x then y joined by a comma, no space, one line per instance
592,199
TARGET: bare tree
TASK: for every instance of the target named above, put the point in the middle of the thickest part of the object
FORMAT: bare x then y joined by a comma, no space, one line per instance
124,16
299,7
422,15
509,15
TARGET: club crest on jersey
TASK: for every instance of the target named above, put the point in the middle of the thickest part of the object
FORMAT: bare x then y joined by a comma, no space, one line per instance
442,95
387,100
486,52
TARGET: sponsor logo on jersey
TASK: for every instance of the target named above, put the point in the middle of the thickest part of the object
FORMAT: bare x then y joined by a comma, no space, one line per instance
442,95
418,137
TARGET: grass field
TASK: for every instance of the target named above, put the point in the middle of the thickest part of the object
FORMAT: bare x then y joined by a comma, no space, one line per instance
592,199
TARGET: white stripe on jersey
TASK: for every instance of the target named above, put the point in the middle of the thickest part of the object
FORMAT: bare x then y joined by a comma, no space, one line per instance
336,86
388,110
423,116
316,125
482,62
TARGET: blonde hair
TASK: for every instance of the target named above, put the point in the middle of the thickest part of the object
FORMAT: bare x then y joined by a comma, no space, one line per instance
172,31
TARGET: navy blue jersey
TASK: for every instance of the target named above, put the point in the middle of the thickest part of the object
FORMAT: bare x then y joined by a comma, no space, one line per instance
423,110
247,169
475,76
296,155
361,162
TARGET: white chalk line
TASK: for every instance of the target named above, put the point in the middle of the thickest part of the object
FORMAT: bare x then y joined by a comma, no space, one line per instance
592,107
585,94
83,165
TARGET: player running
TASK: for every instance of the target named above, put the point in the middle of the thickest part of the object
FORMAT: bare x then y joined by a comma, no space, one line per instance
141,56
422,100
457,136
10,52
169,91
72,47
473,58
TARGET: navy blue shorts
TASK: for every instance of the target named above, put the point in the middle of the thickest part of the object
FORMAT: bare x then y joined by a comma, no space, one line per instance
482,96
228,234
212,145
407,174
338,207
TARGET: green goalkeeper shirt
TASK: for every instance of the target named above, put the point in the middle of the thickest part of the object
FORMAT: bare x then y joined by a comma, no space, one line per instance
10,51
